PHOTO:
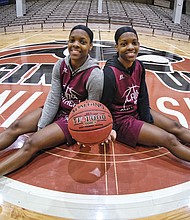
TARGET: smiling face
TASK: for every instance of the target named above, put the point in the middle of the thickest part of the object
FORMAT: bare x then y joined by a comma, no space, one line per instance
78,46
127,48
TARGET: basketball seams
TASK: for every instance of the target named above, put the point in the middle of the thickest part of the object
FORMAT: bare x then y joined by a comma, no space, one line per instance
95,128
84,110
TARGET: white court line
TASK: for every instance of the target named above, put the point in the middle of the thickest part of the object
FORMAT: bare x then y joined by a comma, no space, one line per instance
115,168
116,162
105,167
18,42
20,109
118,154
88,207
172,46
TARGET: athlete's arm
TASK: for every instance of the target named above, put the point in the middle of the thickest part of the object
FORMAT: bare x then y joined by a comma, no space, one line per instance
143,100
94,85
52,102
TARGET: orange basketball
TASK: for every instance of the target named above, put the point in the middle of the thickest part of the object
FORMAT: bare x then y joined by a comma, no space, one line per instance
90,122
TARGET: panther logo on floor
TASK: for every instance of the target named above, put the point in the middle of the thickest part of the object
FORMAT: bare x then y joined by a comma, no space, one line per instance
25,77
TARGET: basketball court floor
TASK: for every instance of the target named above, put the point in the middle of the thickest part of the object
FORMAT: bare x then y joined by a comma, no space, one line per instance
108,182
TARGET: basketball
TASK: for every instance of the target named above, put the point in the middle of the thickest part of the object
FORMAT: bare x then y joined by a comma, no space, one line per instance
90,122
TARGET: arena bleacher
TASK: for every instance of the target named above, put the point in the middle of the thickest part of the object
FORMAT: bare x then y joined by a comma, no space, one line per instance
52,14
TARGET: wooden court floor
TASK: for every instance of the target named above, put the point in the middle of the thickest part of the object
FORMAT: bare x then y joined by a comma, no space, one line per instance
114,182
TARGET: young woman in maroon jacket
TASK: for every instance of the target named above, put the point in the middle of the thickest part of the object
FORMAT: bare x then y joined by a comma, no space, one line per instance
125,94
75,78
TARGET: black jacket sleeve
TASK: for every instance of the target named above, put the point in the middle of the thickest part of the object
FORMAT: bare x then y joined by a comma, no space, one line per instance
143,100
109,89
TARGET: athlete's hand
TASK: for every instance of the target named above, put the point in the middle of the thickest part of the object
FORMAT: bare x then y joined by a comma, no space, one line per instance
81,145
112,136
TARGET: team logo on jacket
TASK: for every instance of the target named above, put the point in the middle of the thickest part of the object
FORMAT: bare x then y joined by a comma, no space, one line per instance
130,96
25,77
